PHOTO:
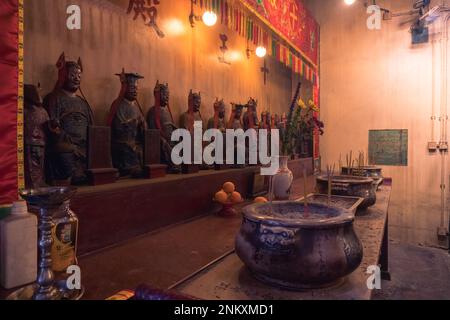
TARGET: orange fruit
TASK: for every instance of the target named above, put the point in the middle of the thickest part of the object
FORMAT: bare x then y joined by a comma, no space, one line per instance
229,187
236,197
221,196
261,200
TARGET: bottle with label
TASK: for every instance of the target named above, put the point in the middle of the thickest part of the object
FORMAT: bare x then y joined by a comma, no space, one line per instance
64,233
18,247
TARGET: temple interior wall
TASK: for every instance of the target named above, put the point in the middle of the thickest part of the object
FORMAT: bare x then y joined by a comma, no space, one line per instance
187,58
382,81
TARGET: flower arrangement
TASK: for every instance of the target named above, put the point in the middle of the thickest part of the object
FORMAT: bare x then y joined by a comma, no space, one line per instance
308,121
301,123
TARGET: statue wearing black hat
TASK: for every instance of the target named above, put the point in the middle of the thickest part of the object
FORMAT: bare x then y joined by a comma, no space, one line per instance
128,126
70,118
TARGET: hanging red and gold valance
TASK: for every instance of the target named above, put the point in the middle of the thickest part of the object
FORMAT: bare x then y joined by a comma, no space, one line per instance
285,28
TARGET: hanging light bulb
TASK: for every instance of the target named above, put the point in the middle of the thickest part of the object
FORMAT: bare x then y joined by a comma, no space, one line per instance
261,52
349,2
209,18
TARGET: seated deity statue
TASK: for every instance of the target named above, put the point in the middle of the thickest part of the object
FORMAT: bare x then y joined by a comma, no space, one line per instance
218,121
160,118
193,114
273,121
70,116
35,137
250,119
263,124
128,126
235,121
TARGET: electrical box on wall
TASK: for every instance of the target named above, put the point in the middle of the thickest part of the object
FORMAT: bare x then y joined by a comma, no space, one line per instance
432,146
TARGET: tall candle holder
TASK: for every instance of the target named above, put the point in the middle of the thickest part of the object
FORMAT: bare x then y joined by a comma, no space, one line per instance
49,201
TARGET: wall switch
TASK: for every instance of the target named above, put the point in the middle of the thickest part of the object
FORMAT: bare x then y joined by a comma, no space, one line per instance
443,146
432,146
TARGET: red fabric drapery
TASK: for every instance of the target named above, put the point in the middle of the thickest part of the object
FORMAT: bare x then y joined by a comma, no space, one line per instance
9,82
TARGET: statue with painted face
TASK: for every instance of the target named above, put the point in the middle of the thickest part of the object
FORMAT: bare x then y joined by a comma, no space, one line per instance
70,117
35,137
128,126
251,115
218,121
160,118
193,114
235,122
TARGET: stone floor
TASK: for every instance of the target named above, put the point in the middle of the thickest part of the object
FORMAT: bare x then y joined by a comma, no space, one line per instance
418,273
162,258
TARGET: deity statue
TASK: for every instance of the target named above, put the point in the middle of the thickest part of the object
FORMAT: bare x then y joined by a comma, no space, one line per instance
70,117
236,123
274,121
35,137
283,122
193,114
160,118
251,115
218,121
263,124
236,117
128,126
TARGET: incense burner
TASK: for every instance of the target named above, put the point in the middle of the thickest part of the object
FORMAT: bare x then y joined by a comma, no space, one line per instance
294,247
376,173
350,186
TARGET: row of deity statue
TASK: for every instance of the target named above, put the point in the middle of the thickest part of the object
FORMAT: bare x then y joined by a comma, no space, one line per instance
57,127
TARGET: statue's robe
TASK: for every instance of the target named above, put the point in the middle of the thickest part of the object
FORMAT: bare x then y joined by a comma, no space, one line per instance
35,136
67,150
187,120
246,121
127,132
166,130
221,125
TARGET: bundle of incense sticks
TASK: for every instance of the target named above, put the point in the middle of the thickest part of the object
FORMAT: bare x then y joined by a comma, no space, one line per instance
305,190
340,163
350,160
330,174
361,159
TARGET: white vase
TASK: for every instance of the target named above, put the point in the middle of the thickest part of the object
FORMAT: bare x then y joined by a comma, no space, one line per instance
282,181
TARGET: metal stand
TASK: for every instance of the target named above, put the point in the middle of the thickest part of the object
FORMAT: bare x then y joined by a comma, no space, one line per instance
48,200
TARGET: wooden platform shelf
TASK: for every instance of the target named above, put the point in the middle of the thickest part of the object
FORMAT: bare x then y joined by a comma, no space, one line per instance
113,213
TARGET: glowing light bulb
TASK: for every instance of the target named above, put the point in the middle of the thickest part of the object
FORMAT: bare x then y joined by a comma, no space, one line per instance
349,2
209,18
261,52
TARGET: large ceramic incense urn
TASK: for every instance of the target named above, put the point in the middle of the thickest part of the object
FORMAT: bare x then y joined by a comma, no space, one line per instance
374,172
350,186
294,247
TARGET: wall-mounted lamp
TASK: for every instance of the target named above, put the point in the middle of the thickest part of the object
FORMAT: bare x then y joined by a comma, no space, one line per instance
209,18
261,52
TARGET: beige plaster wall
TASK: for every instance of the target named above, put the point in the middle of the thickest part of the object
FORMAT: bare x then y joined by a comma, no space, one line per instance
187,58
379,80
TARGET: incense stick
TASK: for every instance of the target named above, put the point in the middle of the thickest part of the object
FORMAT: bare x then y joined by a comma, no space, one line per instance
305,190
330,173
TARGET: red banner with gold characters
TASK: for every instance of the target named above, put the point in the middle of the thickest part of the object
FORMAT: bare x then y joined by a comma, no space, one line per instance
291,20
